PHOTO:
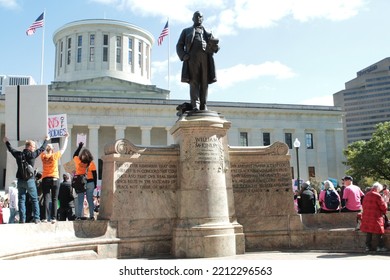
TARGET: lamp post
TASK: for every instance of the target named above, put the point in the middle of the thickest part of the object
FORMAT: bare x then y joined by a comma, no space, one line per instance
297,144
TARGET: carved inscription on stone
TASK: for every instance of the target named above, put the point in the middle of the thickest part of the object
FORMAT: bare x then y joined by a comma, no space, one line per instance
205,151
208,149
138,176
256,177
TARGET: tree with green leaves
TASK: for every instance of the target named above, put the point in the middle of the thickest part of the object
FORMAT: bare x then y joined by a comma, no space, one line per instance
370,159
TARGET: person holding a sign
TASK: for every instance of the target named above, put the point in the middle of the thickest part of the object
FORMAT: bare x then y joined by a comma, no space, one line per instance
50,180
30,153
85,166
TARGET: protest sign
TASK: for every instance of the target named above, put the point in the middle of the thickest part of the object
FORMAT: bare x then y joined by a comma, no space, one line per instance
57,125
81,137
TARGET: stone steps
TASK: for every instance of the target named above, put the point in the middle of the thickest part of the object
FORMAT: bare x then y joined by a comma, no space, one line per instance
75,255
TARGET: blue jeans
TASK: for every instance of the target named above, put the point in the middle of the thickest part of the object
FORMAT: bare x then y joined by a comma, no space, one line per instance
29,187
80,201
12,215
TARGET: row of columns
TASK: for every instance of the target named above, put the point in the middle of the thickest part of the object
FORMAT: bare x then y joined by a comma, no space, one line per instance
93,138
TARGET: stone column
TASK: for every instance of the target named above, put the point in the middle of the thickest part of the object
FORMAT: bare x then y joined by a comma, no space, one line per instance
120,132
203,228
68,153
169,136
93,141
146,135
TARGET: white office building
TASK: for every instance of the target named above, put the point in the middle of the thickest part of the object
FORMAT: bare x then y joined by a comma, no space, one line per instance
13,80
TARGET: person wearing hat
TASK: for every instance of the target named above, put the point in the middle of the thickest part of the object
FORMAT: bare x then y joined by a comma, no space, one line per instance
352,196
50,183
306,199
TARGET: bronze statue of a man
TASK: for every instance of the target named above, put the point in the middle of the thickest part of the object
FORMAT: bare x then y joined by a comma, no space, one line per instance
195,48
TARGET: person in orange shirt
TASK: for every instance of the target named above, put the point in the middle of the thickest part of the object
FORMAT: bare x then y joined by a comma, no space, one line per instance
50,180
84,165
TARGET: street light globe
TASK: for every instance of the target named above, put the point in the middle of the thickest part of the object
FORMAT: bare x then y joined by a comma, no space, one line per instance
297,144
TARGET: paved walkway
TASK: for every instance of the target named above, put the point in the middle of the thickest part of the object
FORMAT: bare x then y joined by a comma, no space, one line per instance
308,255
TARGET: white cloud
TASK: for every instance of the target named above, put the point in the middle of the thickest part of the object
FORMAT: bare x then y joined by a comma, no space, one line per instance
304,10
226,16
240,73
248,14
177,10
326,100
9,4
162,66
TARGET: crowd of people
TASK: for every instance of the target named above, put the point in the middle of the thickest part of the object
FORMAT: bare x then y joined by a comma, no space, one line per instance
43,198
371,205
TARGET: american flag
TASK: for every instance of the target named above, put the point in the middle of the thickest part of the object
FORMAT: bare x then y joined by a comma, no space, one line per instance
164,33
39,22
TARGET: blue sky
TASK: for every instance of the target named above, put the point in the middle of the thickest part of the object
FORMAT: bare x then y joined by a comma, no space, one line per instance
280,51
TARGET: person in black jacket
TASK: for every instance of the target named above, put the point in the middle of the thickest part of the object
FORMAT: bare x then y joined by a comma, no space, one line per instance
66,199
30,153
306,198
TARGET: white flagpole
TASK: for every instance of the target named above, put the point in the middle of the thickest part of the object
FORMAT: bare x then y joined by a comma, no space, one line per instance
43,44
169,49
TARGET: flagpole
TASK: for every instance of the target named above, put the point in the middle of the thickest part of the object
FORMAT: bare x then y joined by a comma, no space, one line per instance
169,51
43,44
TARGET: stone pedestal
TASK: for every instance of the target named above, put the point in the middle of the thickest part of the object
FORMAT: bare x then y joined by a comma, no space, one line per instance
203,227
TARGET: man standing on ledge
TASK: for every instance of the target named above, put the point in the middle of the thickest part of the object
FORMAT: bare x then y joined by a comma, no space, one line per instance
29,153
195,48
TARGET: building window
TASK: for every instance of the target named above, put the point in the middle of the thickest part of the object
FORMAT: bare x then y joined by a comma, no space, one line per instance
140,54
288,139
92,47
130,51
91,54
92,39
61,52
312,172
266,138
105,48
79,45
244,138
69,46
309,141
118,49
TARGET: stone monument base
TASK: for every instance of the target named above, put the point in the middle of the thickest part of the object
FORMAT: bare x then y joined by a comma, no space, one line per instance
204,241
204,228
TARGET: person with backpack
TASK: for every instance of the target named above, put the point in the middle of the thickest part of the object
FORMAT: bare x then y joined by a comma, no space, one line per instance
329,199
27,185
85,166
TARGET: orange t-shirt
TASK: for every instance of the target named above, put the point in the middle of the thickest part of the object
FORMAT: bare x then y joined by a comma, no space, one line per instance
81,168
50,164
